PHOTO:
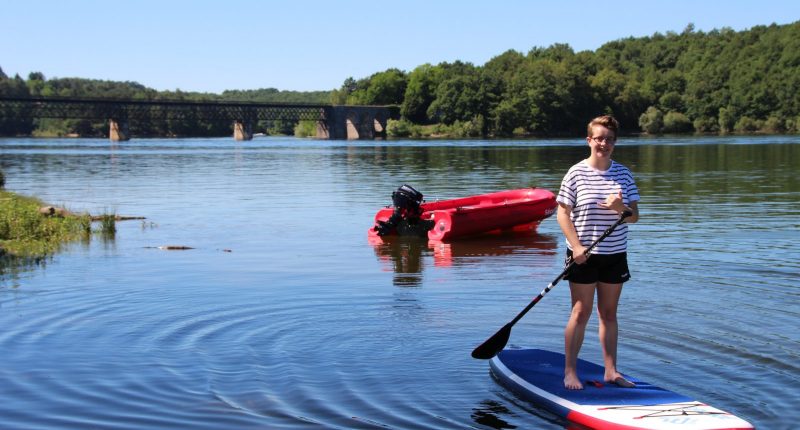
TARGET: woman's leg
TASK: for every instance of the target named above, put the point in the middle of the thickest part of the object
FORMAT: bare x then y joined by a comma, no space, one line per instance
582,302
607,303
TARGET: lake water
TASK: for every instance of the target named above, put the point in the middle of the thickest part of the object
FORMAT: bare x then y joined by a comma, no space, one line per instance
284,316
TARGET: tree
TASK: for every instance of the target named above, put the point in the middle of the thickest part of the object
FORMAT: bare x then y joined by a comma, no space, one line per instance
12,122
507,117
36,82
339,97
726,120
459,98
503,68
460,95
420,93
386,88
382,88
671,101
547,91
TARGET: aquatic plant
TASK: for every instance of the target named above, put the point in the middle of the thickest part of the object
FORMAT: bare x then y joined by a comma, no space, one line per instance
26,232
108,224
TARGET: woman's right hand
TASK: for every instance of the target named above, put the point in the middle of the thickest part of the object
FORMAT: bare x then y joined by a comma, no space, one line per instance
579,254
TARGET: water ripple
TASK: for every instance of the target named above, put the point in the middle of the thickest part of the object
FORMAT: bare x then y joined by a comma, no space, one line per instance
307,325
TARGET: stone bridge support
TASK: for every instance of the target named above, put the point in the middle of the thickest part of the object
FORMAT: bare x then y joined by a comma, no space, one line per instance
353,122
118,130
243,130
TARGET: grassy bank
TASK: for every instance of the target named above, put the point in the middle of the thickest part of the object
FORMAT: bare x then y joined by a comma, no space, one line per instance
27,233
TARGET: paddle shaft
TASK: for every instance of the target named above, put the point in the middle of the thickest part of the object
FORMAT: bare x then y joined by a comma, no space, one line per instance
563,273
497,342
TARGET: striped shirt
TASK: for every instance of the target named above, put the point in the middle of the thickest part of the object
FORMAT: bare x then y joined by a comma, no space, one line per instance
583,188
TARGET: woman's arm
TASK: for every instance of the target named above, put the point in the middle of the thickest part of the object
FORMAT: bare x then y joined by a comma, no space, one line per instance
563,216
634,207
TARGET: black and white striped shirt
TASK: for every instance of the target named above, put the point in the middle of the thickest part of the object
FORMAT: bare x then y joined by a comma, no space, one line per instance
583,188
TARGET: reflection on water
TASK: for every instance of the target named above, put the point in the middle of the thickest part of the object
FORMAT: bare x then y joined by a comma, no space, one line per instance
302,325
12,268
405,255
479,249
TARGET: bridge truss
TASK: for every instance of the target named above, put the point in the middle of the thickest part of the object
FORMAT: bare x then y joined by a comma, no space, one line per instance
126,110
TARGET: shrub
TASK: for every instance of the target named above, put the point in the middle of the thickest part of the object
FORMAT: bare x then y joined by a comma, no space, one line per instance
399,128
676,122
652,121
793,125
773,125
281,127
519,131
305,129
471,128
705,124
746,124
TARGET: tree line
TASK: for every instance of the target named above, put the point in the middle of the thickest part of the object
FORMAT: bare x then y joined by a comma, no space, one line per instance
721,81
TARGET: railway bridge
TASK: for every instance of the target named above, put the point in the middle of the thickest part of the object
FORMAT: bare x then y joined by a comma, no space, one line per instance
333,122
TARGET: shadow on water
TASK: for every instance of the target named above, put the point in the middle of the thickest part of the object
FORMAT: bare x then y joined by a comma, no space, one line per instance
488,414
497,415
406,256
491,413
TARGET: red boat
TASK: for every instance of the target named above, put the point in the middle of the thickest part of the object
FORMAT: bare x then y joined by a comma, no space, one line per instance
518,210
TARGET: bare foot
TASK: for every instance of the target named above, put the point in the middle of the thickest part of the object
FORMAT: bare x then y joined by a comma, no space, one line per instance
571,382
620,381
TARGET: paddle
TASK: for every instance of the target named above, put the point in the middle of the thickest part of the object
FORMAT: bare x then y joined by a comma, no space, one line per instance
498,341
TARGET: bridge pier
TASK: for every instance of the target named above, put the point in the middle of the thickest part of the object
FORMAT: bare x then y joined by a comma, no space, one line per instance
379,128
118,130
353,126
323,132
352,122
243,130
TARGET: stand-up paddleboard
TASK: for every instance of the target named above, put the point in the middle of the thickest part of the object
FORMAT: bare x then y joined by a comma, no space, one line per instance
538,376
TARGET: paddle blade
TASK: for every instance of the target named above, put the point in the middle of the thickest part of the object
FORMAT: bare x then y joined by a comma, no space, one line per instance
493,345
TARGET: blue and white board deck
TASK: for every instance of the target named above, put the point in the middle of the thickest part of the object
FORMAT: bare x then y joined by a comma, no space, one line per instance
538,376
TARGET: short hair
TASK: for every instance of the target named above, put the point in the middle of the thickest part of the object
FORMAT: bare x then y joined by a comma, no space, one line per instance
606,121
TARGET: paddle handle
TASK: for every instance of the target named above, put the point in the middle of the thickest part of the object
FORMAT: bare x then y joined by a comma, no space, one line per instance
564,272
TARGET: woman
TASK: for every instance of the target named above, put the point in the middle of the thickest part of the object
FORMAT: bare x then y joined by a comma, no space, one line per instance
593,194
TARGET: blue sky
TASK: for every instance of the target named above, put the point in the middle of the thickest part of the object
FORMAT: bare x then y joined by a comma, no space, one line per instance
305,45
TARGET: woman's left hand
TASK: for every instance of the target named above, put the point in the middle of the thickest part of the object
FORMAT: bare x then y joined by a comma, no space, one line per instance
614,202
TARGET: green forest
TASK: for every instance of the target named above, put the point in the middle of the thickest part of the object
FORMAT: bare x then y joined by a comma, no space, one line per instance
719,82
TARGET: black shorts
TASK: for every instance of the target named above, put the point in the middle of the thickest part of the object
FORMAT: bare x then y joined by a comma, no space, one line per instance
606,268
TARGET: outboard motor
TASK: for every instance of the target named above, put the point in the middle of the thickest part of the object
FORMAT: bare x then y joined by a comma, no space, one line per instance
405,219
408,199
